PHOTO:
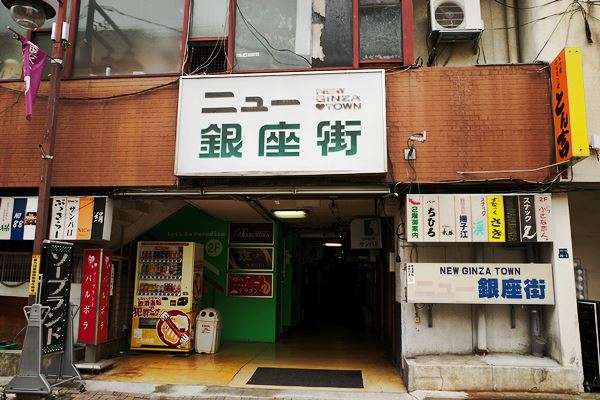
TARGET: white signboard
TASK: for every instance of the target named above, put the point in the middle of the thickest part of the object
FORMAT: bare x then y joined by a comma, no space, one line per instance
479,283
463,218
431,219
301,123
365,233
447,218
479,218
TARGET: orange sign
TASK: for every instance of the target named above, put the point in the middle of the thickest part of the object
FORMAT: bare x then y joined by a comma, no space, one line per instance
568,106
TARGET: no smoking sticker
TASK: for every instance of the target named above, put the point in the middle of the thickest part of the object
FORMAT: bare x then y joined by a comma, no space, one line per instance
173,328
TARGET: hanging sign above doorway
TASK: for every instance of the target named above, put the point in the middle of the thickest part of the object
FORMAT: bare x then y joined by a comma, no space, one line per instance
365,233
297,123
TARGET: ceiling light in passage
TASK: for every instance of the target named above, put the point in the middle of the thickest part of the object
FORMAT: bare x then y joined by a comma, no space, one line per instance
290,214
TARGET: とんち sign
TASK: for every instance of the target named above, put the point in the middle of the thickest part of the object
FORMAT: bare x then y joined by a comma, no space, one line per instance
568,106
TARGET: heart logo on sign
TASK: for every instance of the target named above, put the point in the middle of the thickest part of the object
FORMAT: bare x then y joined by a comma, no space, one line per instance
320,106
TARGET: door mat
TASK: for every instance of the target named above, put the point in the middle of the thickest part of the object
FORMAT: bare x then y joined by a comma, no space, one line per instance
307,377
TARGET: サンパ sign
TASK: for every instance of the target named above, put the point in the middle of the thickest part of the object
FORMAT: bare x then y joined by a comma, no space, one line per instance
479,283
282,124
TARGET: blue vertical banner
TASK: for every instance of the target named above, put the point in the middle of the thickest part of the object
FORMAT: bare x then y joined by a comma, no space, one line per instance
18,219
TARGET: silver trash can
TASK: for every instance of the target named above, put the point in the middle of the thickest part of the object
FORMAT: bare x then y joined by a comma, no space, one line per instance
208,331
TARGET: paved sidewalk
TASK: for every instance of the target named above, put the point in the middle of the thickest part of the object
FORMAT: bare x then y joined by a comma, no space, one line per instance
114,390
136,391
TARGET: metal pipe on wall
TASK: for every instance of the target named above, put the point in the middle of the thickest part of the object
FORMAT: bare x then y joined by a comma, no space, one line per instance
538,343
512,35
481,317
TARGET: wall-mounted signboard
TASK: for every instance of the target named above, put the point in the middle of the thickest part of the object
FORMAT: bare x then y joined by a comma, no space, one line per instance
568,106
250,285
250,258
479,218
251,233
18,218
297,123
81,218
479,283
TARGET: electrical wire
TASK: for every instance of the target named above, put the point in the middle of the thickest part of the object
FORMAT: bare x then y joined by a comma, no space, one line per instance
220,44
553,30
254,31
527,8
511,170
5,109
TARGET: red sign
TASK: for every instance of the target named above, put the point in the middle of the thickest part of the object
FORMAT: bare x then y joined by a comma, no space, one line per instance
173,328
104,298
250,285
95,294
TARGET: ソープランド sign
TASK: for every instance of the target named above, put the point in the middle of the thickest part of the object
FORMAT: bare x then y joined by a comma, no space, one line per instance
479,283
282,124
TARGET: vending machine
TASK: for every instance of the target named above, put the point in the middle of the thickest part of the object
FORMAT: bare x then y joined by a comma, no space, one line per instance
168,289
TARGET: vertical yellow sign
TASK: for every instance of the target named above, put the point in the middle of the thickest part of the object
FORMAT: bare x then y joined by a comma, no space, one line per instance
568,106
34,274
496,227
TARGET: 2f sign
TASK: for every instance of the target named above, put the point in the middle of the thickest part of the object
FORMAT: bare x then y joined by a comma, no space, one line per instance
366,233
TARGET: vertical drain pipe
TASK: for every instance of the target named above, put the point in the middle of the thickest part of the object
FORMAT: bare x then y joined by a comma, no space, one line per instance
512,35
538,343
481,321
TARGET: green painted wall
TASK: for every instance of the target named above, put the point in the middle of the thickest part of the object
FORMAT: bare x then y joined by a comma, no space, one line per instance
244,319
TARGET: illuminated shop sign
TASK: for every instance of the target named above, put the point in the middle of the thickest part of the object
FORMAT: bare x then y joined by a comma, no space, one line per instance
479,283
282,124
568,106
479,218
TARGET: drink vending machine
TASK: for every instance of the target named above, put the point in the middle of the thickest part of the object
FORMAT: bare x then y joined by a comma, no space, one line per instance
168,289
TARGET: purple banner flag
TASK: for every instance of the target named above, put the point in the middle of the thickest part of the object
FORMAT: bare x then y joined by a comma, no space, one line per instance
34,60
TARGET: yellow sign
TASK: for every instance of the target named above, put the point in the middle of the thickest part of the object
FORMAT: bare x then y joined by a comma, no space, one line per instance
34,275
496,230
568,106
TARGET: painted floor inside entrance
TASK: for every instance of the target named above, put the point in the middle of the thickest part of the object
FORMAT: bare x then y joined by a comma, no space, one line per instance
236,362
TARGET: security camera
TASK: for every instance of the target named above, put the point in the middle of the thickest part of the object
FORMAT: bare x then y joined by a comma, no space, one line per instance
418,137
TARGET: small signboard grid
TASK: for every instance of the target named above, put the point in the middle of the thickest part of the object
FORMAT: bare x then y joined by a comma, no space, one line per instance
479,218
72,218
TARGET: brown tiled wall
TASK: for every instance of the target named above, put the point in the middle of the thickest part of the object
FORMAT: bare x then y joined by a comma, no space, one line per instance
477,118
126,141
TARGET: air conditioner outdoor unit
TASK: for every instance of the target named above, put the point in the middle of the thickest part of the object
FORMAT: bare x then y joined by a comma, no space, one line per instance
455,20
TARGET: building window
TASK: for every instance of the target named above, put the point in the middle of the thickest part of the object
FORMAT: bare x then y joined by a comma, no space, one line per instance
293,34
128,37
11,60
380,29
210,19
207,43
